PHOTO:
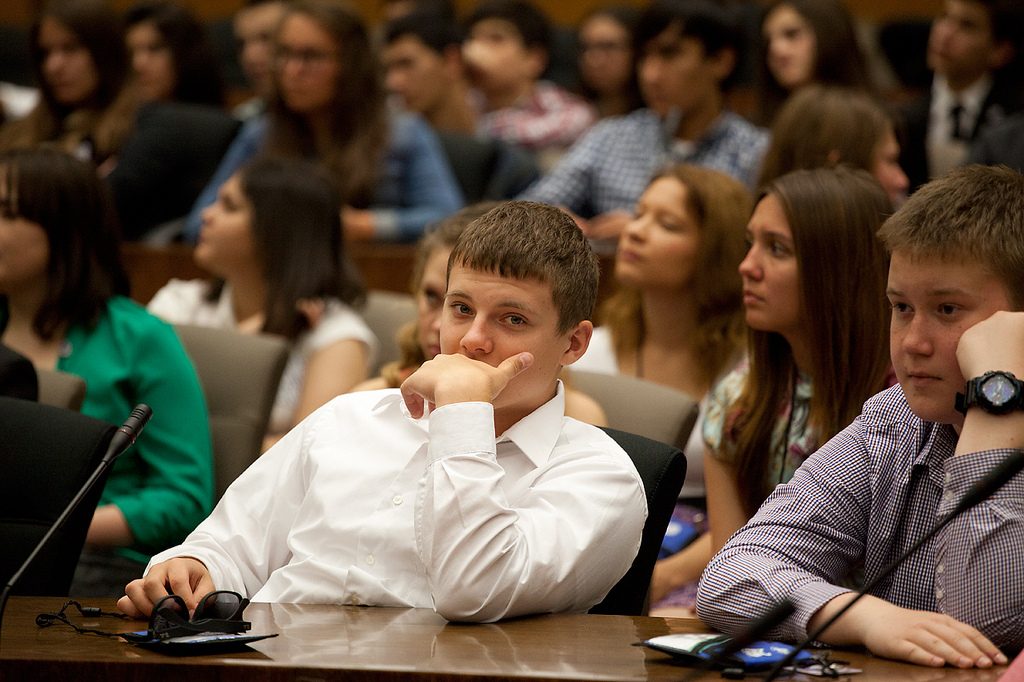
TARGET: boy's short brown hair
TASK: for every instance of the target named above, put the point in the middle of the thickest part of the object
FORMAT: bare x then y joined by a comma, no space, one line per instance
973,213
527,240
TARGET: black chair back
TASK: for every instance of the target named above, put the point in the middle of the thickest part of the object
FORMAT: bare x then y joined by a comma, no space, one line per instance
662,469
47,453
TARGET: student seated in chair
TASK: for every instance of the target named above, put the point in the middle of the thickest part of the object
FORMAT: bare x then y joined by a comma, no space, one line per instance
878,486
467,490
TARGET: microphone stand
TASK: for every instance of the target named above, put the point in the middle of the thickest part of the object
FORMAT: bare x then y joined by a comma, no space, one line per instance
122,439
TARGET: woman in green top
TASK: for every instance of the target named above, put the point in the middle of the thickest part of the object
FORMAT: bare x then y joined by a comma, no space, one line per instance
62,306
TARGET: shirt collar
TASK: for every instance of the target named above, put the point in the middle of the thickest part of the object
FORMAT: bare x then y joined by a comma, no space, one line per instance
970,98
537,433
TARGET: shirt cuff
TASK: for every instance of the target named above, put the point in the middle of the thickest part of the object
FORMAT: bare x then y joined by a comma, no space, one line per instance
462,429
810,598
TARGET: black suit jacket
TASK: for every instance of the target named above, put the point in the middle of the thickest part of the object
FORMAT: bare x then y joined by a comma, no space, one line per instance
1003,99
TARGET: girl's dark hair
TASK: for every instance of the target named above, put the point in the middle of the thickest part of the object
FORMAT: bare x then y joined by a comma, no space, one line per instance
838,59
73,206
100,31
197,70
296,231
359,117
106,119
830,211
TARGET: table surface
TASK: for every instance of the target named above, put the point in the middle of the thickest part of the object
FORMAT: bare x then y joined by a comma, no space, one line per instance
322,642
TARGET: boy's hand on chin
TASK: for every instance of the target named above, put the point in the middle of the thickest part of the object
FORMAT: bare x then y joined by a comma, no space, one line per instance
448,379
996,343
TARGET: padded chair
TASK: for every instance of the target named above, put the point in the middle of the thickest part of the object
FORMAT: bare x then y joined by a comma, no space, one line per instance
47,453
239,374
488,170
638,406
385,313
61,389
662,469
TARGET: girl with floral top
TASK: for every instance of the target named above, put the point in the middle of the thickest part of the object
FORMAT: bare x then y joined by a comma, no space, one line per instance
814,298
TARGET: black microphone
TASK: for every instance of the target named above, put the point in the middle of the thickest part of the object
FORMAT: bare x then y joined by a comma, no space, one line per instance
993,481
122,439
751,633
126,434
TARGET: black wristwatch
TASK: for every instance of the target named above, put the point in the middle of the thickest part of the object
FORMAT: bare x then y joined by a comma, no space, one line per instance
995,392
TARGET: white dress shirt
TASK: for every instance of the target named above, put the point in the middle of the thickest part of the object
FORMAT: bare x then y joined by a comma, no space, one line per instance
361,504
945,152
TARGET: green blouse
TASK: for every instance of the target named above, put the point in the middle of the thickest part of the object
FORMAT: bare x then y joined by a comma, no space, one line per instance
164,484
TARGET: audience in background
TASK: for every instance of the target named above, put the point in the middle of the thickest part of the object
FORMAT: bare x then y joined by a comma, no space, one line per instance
181,130
255,25
420,339
804,42
809,328
607,60
824,126
506,51
328,104
676,317
78,58
687,54
62,305
424,69
975,51
171,58
273,239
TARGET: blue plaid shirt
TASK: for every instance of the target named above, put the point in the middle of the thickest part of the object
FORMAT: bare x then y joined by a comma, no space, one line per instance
862,499
611,165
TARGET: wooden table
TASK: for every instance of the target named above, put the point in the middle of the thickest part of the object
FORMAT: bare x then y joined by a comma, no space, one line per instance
319,642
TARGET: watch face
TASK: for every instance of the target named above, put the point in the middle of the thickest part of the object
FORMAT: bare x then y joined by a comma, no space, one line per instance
998,390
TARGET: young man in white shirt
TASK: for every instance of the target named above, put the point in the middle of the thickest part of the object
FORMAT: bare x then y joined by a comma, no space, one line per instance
468,491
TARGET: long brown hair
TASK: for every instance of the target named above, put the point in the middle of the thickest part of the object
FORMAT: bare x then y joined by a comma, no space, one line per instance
109,116
721,206
358,127
822,126
74,207
834,215
296,227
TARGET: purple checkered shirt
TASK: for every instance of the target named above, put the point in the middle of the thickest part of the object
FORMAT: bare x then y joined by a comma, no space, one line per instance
861,500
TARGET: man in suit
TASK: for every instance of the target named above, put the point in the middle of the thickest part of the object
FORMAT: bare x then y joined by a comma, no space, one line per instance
974,52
